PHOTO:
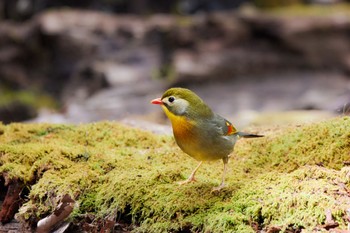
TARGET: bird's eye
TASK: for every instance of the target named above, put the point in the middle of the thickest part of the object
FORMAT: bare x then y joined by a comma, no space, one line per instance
171,99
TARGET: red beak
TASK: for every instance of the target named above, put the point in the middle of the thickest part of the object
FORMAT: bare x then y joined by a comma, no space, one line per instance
157,101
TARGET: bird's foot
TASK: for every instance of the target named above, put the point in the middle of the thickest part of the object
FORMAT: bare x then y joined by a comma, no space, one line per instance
217,189
189,180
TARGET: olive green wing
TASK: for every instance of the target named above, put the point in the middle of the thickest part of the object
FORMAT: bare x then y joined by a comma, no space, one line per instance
226,128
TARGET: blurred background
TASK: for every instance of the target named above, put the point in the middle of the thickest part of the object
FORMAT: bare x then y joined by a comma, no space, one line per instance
256,62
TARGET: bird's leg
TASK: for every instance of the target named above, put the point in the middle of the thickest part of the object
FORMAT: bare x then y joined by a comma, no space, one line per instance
216,189
191,177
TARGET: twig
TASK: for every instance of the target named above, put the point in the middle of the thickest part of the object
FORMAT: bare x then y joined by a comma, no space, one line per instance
329,223
62,211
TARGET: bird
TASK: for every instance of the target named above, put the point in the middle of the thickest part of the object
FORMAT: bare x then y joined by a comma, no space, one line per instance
198,131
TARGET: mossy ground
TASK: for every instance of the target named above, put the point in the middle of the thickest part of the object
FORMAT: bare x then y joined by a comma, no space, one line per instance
288,178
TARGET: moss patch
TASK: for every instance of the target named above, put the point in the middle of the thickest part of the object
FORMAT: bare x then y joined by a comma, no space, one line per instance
31,98
288,178
311,10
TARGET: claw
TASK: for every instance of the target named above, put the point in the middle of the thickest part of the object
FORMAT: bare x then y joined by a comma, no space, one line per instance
217,189
189,180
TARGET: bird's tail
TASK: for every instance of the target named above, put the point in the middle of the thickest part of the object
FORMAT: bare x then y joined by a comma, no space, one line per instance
249,135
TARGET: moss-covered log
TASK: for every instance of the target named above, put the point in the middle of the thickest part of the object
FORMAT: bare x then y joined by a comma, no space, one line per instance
287,180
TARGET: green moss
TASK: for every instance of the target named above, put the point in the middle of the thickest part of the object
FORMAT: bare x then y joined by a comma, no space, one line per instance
275,3
325,144
288,178
27,97
300,10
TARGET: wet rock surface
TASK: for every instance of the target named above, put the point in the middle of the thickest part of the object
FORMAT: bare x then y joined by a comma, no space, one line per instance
99,66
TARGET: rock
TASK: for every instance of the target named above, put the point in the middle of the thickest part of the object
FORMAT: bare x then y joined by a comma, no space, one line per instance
288,117
16,111
115,103
102,66
318,42
17,42
285,91
14,227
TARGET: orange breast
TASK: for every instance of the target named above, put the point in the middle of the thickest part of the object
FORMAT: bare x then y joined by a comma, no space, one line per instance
182,128
183,132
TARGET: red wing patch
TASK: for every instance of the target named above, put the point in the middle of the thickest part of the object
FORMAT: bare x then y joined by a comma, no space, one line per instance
230,128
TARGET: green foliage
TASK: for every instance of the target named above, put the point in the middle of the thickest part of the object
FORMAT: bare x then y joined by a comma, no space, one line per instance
288,178
27,97
309,10
275,3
